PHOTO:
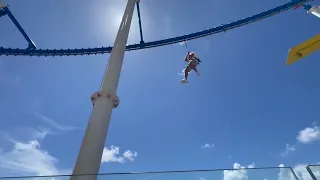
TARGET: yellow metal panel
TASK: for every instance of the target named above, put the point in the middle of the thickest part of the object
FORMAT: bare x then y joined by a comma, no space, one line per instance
304,49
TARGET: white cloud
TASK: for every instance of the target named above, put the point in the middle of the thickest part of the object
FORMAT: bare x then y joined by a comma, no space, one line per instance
112,155
201,178
130,155
316,172
27,158
309,134
300,171
251,165
53,123
305,136
285,174
240,173
288,150
204,146
41,134
25,134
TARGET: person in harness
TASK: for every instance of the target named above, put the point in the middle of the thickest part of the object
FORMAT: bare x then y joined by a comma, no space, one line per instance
193,61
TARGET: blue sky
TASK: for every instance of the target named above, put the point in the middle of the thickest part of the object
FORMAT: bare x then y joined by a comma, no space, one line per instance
247,108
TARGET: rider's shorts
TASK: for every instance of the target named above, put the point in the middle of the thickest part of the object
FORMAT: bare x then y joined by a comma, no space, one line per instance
193,62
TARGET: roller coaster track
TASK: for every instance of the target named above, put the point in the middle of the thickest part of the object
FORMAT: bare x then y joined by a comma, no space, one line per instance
143,45
2,12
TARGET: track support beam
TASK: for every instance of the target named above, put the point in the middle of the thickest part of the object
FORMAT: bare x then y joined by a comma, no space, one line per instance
140,26
31,44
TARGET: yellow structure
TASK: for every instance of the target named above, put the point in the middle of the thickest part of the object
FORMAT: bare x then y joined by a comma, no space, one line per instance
304,49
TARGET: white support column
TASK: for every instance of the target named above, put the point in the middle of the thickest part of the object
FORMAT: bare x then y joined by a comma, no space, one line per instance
89,158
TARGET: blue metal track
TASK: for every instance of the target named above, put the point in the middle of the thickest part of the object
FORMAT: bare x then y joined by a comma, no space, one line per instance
2,12
16,23
102,50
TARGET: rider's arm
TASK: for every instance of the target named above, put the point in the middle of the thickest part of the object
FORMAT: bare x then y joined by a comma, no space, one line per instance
186,58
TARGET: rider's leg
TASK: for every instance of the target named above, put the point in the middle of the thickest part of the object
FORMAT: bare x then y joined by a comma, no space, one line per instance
186,71
196,70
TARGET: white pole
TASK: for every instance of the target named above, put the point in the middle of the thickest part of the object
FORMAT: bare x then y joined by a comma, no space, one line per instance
89,158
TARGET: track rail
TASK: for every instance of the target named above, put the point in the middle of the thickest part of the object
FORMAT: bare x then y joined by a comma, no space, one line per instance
145,45
2,12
